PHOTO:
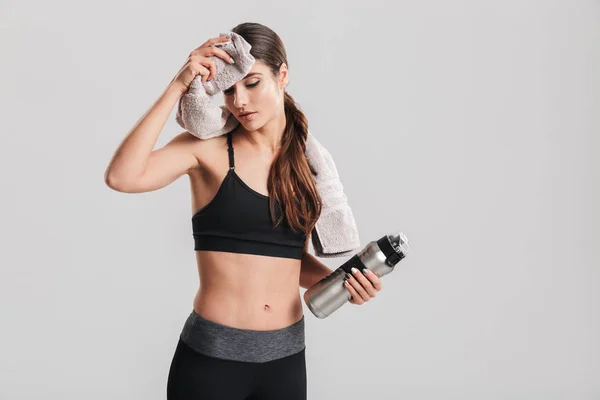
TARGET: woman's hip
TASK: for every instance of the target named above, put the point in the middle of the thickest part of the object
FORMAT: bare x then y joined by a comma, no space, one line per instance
257,346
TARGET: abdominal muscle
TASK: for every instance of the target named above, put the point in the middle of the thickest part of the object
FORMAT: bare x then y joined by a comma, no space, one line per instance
248,291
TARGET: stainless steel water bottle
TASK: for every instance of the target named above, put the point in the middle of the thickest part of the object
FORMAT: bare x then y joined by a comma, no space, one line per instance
379,256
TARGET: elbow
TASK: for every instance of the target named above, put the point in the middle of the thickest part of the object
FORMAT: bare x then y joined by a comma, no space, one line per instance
109,180
112,182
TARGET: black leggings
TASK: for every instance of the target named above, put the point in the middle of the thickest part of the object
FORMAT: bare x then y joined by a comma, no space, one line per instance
194,375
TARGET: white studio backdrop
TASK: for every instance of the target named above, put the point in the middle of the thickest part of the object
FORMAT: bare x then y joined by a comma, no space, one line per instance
471,126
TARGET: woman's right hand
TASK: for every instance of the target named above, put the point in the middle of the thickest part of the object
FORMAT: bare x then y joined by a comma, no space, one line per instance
200,63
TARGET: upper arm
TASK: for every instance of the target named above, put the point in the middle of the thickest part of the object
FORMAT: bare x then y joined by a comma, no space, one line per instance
164,165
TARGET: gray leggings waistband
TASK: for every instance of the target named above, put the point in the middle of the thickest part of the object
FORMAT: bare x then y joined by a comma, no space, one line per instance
229,343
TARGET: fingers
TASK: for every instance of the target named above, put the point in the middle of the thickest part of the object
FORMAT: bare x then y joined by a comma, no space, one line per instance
203,58
200,62
208,69
203,72
360,292
366,284
375,281
220,53
356,298
210,48
211,41
363,286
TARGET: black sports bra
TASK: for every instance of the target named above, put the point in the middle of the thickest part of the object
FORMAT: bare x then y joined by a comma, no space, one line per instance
237,220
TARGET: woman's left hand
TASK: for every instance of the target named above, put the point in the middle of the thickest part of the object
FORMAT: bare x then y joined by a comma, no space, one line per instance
362,286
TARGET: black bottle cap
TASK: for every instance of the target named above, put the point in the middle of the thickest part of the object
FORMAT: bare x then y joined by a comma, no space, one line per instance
393,247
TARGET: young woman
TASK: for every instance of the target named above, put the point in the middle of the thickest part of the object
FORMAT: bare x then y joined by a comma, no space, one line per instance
254,204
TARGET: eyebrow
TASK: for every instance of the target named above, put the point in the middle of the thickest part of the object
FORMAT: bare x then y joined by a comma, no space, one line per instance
252,73
247,76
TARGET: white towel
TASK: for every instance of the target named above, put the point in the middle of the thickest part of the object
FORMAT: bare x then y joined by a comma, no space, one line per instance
335,233
195,113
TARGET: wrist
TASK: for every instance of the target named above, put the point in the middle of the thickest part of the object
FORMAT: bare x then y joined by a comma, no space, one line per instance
175,89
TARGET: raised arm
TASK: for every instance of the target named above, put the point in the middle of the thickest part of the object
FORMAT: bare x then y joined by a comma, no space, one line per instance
135,167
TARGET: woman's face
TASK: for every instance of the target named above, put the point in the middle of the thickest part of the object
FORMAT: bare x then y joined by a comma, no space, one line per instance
260,93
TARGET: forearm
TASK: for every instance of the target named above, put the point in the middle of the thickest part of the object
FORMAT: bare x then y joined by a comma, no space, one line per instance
130,158
312,270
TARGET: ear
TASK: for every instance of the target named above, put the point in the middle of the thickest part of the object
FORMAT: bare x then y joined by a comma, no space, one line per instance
283,76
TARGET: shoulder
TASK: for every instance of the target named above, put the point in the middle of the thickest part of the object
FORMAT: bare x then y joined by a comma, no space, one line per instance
206,151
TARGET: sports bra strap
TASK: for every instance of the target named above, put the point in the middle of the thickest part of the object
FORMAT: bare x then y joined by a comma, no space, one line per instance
230,149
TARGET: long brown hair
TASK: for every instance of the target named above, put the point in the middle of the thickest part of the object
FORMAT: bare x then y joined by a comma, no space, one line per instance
290,179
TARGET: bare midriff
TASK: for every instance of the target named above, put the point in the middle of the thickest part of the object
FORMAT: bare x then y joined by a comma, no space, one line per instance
248,291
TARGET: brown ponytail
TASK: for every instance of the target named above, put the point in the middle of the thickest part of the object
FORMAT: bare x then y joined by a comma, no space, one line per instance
290,179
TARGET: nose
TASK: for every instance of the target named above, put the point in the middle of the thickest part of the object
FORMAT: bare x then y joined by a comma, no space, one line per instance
240,99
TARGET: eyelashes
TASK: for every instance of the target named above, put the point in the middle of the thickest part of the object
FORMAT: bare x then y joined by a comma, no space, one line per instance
229,91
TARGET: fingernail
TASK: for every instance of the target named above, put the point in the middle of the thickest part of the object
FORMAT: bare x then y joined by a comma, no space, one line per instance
348,276
365,271
232,60
354,270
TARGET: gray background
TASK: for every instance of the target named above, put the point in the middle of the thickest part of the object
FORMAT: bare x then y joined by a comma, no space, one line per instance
471,126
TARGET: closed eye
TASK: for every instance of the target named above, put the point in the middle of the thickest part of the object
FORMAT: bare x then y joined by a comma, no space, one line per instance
230,90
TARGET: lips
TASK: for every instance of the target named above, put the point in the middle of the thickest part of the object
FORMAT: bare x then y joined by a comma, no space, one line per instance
247,117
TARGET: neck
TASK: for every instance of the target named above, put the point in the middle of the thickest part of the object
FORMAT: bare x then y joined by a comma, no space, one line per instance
268,137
